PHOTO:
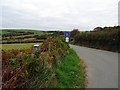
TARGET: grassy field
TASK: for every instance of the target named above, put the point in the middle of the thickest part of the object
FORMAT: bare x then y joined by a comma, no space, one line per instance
18,46
5,31
20,40
23,36
70,72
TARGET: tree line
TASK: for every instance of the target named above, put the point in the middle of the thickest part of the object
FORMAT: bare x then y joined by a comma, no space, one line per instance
106,38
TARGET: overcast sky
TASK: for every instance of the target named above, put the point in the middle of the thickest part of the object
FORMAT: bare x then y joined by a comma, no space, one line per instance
59,14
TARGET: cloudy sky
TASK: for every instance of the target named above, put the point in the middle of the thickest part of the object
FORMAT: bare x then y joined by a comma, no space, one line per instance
59,14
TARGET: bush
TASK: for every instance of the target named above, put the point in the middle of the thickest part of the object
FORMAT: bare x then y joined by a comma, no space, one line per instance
104,38
33,69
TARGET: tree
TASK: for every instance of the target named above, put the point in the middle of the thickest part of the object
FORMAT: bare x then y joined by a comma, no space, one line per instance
74,32
97,29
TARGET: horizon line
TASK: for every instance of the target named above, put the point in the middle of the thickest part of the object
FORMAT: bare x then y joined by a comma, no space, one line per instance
44,29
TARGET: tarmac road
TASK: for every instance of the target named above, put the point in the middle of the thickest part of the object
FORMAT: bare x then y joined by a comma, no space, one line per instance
102,66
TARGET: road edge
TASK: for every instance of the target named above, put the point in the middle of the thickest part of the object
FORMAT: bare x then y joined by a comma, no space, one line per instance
85,69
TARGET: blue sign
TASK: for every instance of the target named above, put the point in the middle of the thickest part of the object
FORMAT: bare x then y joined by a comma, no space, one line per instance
36,48
67,34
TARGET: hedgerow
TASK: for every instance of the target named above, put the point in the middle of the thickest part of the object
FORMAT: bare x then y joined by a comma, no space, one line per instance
106,38
33,69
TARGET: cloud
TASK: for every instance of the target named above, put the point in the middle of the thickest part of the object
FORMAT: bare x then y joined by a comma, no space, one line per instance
59,14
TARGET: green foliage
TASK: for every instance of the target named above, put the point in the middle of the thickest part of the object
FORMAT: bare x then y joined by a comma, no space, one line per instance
33,69
104,38
70,72
74,33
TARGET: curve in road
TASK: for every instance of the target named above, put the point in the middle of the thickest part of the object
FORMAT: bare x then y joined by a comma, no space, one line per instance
102,66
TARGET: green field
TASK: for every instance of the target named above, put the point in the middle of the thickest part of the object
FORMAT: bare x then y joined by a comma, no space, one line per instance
21,40
5,31
23,36
18,46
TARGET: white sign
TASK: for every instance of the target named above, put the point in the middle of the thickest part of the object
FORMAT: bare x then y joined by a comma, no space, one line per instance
67,39
36,45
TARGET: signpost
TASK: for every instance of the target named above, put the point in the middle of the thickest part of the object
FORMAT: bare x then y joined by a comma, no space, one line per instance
67,34
36,47
67,39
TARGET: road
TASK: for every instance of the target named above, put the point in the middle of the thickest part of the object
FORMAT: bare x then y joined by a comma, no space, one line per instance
102,66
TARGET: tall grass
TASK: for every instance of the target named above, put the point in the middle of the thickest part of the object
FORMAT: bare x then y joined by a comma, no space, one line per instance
69,73
29,68
53,66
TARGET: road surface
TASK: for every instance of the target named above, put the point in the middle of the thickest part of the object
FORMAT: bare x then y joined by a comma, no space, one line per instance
102,67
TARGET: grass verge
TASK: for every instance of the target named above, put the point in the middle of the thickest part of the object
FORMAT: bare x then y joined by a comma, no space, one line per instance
70,72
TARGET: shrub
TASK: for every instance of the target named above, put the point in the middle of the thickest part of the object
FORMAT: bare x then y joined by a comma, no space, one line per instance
33,69
104,38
